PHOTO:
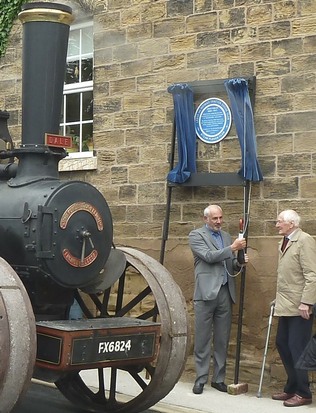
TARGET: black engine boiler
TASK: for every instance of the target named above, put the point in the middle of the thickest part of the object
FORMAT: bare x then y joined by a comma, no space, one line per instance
58,229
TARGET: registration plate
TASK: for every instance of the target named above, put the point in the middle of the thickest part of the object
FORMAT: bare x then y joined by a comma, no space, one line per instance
86,350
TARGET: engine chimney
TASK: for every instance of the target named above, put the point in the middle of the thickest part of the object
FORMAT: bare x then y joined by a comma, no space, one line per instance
45,41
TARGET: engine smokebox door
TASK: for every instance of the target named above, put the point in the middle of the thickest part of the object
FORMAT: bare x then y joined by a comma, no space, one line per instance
74,234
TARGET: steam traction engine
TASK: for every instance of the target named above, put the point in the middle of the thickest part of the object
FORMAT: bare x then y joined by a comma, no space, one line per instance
56,248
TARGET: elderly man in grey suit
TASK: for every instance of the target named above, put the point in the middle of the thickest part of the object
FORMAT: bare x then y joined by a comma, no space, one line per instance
215,265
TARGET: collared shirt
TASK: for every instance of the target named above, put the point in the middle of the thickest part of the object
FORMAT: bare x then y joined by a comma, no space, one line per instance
287,238
219,241
217,237
291,234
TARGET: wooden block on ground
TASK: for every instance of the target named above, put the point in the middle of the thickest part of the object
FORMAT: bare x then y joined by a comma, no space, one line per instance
239,388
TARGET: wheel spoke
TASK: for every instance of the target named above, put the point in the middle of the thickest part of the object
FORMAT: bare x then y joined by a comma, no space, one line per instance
149,314
132,304
96,301
101,391
113,384
120,293
105,303
139,380
83,306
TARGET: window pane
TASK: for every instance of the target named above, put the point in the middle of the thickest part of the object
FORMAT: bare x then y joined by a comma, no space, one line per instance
87,40
73,107
74,43
87,141
74,131
78,96
86,69
87,105
72,72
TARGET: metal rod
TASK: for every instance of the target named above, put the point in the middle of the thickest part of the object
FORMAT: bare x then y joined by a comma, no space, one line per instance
239,327
242,286
165,231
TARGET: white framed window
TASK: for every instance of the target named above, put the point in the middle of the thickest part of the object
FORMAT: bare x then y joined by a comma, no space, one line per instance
77,108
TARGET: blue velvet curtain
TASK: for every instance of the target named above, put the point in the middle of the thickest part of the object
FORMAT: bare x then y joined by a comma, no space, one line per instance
185,129
237,90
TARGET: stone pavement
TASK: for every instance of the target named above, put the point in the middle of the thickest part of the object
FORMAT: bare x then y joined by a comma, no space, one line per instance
181,399
213,401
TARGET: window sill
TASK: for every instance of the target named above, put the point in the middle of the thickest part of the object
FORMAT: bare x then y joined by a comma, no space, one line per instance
77,164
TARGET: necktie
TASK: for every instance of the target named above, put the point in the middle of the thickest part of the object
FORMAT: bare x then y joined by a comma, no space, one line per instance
218,238
284,243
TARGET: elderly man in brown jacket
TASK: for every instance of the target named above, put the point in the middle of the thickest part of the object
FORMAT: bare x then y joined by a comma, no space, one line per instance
295,296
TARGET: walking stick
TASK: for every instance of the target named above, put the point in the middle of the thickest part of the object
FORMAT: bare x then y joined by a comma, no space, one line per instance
259,394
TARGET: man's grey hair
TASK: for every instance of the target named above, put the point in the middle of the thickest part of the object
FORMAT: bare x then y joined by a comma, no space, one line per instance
207,210
289,215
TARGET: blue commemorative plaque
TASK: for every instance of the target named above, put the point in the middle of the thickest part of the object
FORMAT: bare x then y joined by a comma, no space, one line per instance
213,120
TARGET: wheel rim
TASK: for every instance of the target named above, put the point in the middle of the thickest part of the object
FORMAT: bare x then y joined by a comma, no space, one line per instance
18,338
161,299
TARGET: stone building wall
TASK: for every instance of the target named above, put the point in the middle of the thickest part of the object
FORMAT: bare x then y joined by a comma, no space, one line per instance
142,47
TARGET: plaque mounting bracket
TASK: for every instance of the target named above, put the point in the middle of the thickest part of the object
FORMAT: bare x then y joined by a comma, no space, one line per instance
201,91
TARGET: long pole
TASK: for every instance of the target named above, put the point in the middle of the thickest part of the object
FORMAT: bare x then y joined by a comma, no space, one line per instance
239,327
242,286
165,231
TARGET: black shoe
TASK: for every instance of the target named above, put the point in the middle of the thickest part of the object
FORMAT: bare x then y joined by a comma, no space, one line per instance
220,386
198,388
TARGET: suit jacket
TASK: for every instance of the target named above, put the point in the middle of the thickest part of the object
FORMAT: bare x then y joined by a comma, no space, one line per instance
208,264
296,281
